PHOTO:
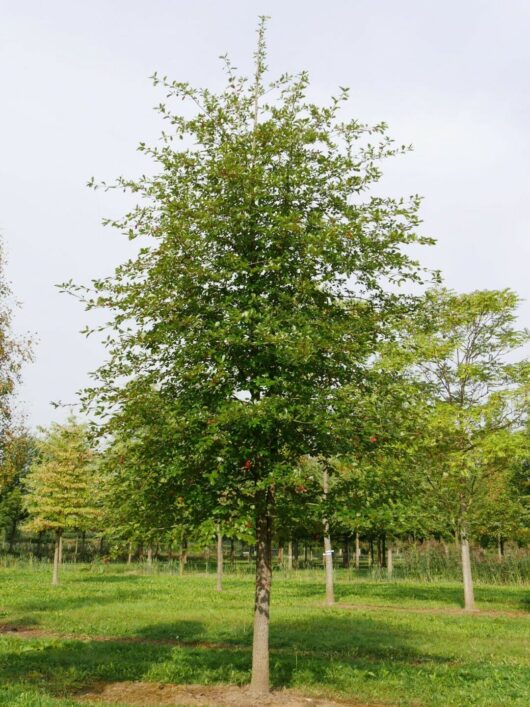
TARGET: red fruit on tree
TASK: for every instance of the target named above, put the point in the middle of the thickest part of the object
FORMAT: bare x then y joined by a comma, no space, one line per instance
373,439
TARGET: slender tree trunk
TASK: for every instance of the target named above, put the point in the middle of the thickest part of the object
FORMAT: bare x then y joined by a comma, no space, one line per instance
371,555
12,535
183,557
219,559
357,552
280,555
389,563
76,547
328,552
290,555
129,553
346,552
469,597
500,546
260,647
61,549
149,555
383,551
56,558
39,545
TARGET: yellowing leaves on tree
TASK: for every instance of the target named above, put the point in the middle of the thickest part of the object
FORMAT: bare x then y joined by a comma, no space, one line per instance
62,484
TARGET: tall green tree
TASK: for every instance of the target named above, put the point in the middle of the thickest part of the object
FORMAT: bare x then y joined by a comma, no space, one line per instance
479,397
62,485
257,295
14,352
18,450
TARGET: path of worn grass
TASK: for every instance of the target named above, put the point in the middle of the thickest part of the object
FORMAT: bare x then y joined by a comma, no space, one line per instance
179,630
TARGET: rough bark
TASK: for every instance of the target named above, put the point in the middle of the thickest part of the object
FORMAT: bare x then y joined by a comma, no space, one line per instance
259,685
328,552
469,596
56,558
219,586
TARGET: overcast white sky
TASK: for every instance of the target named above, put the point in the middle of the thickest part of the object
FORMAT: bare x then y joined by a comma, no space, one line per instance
451,77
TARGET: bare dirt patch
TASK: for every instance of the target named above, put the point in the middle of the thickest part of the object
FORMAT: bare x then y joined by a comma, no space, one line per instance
143,693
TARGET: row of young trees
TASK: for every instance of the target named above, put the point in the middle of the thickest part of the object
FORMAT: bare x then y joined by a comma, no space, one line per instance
268,367
443,463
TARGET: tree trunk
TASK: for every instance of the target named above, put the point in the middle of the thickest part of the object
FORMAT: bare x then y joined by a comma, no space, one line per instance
183,556
129,553
56,557
280,555
12,535
346,552
76,547
61,549
219,559
290,555
259,685
232,554
389,563
469,597
328,552
149,555
500,546
357,551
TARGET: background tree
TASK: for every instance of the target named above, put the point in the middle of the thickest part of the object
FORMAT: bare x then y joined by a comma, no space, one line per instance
255,302
479,397
17,454
13,354
62,485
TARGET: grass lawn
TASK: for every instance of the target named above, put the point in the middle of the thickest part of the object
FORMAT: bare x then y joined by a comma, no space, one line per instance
388,642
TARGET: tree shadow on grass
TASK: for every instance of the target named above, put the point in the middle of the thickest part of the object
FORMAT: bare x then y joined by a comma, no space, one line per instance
391,591
433,595
55,601
107,579
324,652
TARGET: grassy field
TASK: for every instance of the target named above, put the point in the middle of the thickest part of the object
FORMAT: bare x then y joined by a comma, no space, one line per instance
400,643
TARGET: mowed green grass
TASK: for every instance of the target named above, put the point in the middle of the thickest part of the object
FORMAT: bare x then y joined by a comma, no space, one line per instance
397,642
